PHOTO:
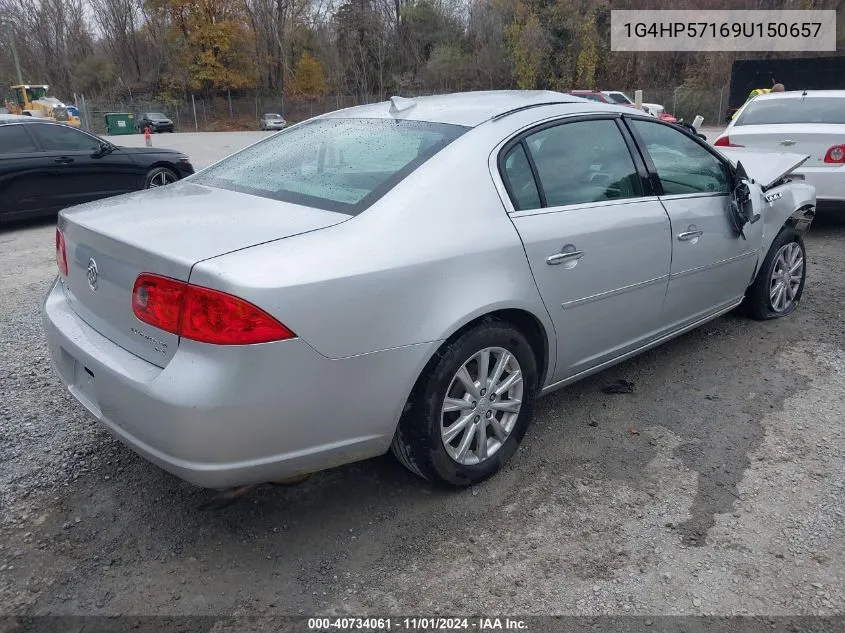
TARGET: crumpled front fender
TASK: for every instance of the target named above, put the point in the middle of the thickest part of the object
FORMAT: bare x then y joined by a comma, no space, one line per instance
790,204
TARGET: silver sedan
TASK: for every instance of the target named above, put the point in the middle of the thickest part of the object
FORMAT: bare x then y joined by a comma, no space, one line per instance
409,275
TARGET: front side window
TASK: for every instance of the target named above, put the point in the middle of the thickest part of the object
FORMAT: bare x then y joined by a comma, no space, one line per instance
336,164
61,138
15,140
583,162
683,166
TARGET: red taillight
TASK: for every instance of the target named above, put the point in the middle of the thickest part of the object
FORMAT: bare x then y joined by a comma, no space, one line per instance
835,154
202,314
158,301
61,252
725,141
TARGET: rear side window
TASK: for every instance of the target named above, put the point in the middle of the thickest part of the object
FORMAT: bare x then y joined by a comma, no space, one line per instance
582,162
62,138
15,140
793,110
336,164
520,179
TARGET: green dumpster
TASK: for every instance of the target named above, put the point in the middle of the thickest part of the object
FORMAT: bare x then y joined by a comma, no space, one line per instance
120,123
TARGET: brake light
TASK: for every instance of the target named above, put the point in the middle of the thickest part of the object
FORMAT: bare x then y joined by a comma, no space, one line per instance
202,314
61,252
725,141
158,301
835,154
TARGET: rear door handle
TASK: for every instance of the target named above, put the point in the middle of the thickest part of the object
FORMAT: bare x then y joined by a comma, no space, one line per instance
687,236
63,160
558,258
787,142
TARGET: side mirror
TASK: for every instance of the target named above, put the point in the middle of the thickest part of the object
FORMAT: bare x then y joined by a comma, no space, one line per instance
742,207
101,151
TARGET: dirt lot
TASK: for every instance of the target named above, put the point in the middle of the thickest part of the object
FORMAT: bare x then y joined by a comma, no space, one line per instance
716,487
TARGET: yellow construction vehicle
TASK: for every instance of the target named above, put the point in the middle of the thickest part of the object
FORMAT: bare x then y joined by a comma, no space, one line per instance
33,101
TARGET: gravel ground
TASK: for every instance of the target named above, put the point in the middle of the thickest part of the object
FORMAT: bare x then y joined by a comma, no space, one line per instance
716,487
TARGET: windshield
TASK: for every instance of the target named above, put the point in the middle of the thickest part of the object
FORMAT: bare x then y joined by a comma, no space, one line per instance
618,97
335,164
794,110
155,115
272,116
36,92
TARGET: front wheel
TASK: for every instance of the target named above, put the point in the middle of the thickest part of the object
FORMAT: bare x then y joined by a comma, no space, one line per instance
780,282
471,408
160,176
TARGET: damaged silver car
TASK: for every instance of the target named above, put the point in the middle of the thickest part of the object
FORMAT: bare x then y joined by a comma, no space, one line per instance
409,275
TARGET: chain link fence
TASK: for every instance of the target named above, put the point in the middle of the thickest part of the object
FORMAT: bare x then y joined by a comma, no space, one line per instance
687,103
217,114
229,113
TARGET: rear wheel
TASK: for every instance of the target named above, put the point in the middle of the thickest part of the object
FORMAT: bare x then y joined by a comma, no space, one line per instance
471,408
780,283
160,176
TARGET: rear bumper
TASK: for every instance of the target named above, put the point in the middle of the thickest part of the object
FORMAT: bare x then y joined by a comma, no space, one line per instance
221,416
828,181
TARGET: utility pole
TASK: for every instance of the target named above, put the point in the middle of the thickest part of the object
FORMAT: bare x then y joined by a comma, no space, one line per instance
11,30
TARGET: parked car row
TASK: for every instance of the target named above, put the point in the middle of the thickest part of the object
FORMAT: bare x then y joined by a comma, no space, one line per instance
620,98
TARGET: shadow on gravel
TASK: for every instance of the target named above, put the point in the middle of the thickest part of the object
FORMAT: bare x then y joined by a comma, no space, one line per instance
7,227
287,546
141,538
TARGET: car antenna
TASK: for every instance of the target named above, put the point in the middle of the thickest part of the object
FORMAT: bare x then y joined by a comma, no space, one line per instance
398,104
804,94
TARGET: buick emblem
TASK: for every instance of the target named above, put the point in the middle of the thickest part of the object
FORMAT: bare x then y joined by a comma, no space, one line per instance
93,274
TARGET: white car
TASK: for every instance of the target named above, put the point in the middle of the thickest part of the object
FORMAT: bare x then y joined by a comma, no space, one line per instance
809,122
654,109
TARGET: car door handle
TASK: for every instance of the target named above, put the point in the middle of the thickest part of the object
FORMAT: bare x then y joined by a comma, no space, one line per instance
787,142
686,236
558,258
63,160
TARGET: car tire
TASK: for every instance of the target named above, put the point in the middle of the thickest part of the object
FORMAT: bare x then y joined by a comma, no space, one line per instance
779,285
419,443
160,176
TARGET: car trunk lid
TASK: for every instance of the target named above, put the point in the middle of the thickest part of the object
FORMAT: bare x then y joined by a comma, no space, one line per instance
164,232
813,139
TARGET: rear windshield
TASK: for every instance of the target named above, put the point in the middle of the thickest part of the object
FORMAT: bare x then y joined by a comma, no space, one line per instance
618,98
806,110
336,164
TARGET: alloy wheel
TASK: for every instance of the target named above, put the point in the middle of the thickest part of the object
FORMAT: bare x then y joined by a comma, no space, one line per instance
162,178
787,274
481,406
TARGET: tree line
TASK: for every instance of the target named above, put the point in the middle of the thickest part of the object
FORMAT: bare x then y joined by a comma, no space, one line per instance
371,48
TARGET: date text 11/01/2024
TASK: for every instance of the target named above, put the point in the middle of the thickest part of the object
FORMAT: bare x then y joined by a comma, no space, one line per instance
725,29
417,624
